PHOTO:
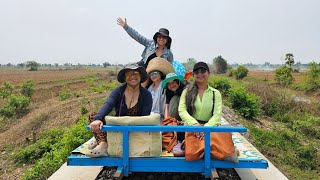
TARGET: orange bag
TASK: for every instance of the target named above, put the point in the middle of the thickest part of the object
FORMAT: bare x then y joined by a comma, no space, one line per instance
169,139
221,146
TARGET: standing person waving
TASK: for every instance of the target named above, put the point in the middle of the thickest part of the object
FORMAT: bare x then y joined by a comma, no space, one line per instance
159,46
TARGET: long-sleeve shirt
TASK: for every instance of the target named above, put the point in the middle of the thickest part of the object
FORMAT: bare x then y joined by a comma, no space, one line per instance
158,100
150,45
117,100
203,108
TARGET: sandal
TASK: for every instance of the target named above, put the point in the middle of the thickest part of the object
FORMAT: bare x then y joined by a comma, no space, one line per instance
92,144
98,151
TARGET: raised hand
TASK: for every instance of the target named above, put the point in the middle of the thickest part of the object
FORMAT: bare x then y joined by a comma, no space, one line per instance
122,22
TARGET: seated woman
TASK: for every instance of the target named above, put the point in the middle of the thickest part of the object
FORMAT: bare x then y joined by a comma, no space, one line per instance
200,104
129,99
157,69
196,103
174,85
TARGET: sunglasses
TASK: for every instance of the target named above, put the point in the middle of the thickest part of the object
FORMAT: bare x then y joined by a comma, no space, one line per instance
154,73
162,37
200,70
132,73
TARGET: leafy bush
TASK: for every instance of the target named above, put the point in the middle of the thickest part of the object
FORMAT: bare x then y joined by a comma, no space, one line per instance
32,153
222,84
84,110
52,160
65,94
16,106
248,105
313,76
231,72
283,76
240,72
27,88
6,90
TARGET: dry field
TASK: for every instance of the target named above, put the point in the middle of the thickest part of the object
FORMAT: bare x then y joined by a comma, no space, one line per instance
16,76
47,111
269,75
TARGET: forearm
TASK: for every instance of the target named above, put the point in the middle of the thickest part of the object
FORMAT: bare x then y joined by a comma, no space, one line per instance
136,36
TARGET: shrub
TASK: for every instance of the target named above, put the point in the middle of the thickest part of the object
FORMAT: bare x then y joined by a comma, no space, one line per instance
84,110
307,124
283,76
230,71
51,161
32,153
27,88
6,90
222,84
65,94
16,106
240,72
313,76
248,105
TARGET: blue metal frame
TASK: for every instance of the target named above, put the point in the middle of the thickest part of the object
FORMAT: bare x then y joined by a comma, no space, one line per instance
166,164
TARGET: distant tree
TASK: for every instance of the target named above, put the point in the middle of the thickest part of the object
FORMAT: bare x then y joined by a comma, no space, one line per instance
267,64
106,64
56,65
220,65
21,65
289,60
66,64
9,65
33,65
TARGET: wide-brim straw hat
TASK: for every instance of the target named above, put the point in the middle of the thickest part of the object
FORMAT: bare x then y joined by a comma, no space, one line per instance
134,66
160,64
171,77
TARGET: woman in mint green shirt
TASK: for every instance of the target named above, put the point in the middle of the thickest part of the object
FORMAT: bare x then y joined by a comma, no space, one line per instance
200,104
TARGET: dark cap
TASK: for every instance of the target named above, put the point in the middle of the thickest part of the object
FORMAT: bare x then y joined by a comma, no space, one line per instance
134,66
201,65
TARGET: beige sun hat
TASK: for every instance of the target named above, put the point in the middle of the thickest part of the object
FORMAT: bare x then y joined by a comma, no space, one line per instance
160,64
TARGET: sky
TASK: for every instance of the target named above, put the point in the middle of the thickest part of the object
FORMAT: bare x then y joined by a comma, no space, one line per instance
86,32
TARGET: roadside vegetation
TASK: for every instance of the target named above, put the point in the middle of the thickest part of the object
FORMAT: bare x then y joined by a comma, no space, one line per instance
284,124
280,110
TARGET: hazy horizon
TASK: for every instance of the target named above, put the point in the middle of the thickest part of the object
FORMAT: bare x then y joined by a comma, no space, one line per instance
85,32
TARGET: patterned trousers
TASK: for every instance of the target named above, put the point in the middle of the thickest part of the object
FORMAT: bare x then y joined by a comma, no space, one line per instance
100,136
